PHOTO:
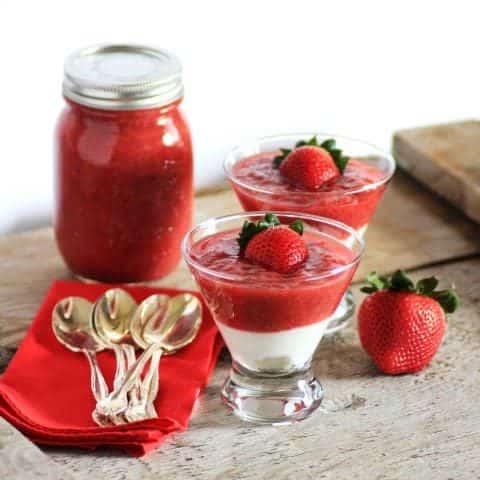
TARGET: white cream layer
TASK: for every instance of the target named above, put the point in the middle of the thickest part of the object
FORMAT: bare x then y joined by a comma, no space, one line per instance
285,350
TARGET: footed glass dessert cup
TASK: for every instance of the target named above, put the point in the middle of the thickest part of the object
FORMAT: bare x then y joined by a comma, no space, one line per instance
272,322
352,199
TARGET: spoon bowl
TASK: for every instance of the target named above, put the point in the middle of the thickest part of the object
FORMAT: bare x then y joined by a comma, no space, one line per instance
112,314
171,323
152,312
71,323
183,321
72,326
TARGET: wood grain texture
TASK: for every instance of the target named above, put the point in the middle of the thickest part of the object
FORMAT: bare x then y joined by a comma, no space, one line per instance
371,426
446,158
6,355
20,459
412,227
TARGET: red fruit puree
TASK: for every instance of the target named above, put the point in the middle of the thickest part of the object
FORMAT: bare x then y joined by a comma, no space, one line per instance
261,300
123,191
333,200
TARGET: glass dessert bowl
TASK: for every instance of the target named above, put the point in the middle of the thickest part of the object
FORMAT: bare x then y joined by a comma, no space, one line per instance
352,198
272,321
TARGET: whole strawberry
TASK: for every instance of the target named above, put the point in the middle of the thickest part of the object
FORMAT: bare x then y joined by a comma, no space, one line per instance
401,325
311,165
278,247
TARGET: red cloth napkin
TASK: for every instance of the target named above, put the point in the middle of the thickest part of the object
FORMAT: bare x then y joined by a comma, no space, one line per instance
45,391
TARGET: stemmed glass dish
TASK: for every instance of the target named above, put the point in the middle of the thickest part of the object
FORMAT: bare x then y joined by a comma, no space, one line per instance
351,200
272,322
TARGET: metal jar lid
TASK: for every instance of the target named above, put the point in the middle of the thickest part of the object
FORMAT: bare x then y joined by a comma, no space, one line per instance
122,77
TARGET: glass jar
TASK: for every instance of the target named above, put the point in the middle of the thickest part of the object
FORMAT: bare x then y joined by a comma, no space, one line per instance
124,167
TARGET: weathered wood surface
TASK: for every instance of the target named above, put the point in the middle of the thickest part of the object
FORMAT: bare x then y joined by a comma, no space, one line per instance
411,228
370,426
446,158
20,459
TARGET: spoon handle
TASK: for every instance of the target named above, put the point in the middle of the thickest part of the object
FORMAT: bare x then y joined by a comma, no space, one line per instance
129,352
97,381
134,372
120,369
152,386
142,408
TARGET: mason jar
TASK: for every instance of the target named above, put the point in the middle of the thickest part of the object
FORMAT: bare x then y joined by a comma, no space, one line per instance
123,164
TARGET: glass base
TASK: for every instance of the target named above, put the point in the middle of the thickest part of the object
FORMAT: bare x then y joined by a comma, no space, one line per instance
271,398
343,313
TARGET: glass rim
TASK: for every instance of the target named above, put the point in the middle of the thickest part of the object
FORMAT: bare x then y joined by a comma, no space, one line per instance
370,186
294,215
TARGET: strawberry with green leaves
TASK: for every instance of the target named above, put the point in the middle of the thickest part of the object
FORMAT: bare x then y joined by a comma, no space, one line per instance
310,164
402,324
277,247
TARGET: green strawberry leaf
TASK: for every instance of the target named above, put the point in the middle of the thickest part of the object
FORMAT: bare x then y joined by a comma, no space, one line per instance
329,145
400,282
369,289
250,229
312,142
340,160
277,161
272,219
376,282
297,226
448,299
427,285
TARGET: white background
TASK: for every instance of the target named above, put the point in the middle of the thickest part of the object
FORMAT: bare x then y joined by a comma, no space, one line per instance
361,68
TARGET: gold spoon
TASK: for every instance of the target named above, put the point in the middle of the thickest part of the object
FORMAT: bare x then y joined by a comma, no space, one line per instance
152,310
154,314
162,332
111,317
71,324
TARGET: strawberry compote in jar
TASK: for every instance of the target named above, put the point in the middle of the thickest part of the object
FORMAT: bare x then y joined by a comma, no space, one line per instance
124,166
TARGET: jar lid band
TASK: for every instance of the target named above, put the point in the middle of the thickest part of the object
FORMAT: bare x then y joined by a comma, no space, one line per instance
122,77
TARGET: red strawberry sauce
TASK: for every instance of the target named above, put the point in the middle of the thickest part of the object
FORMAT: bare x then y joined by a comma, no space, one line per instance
261,300
123,191
333,200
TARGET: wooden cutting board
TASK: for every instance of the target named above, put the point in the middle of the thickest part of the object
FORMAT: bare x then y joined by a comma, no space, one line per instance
445,158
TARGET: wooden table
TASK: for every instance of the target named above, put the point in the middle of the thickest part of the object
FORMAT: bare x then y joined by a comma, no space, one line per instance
369,426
